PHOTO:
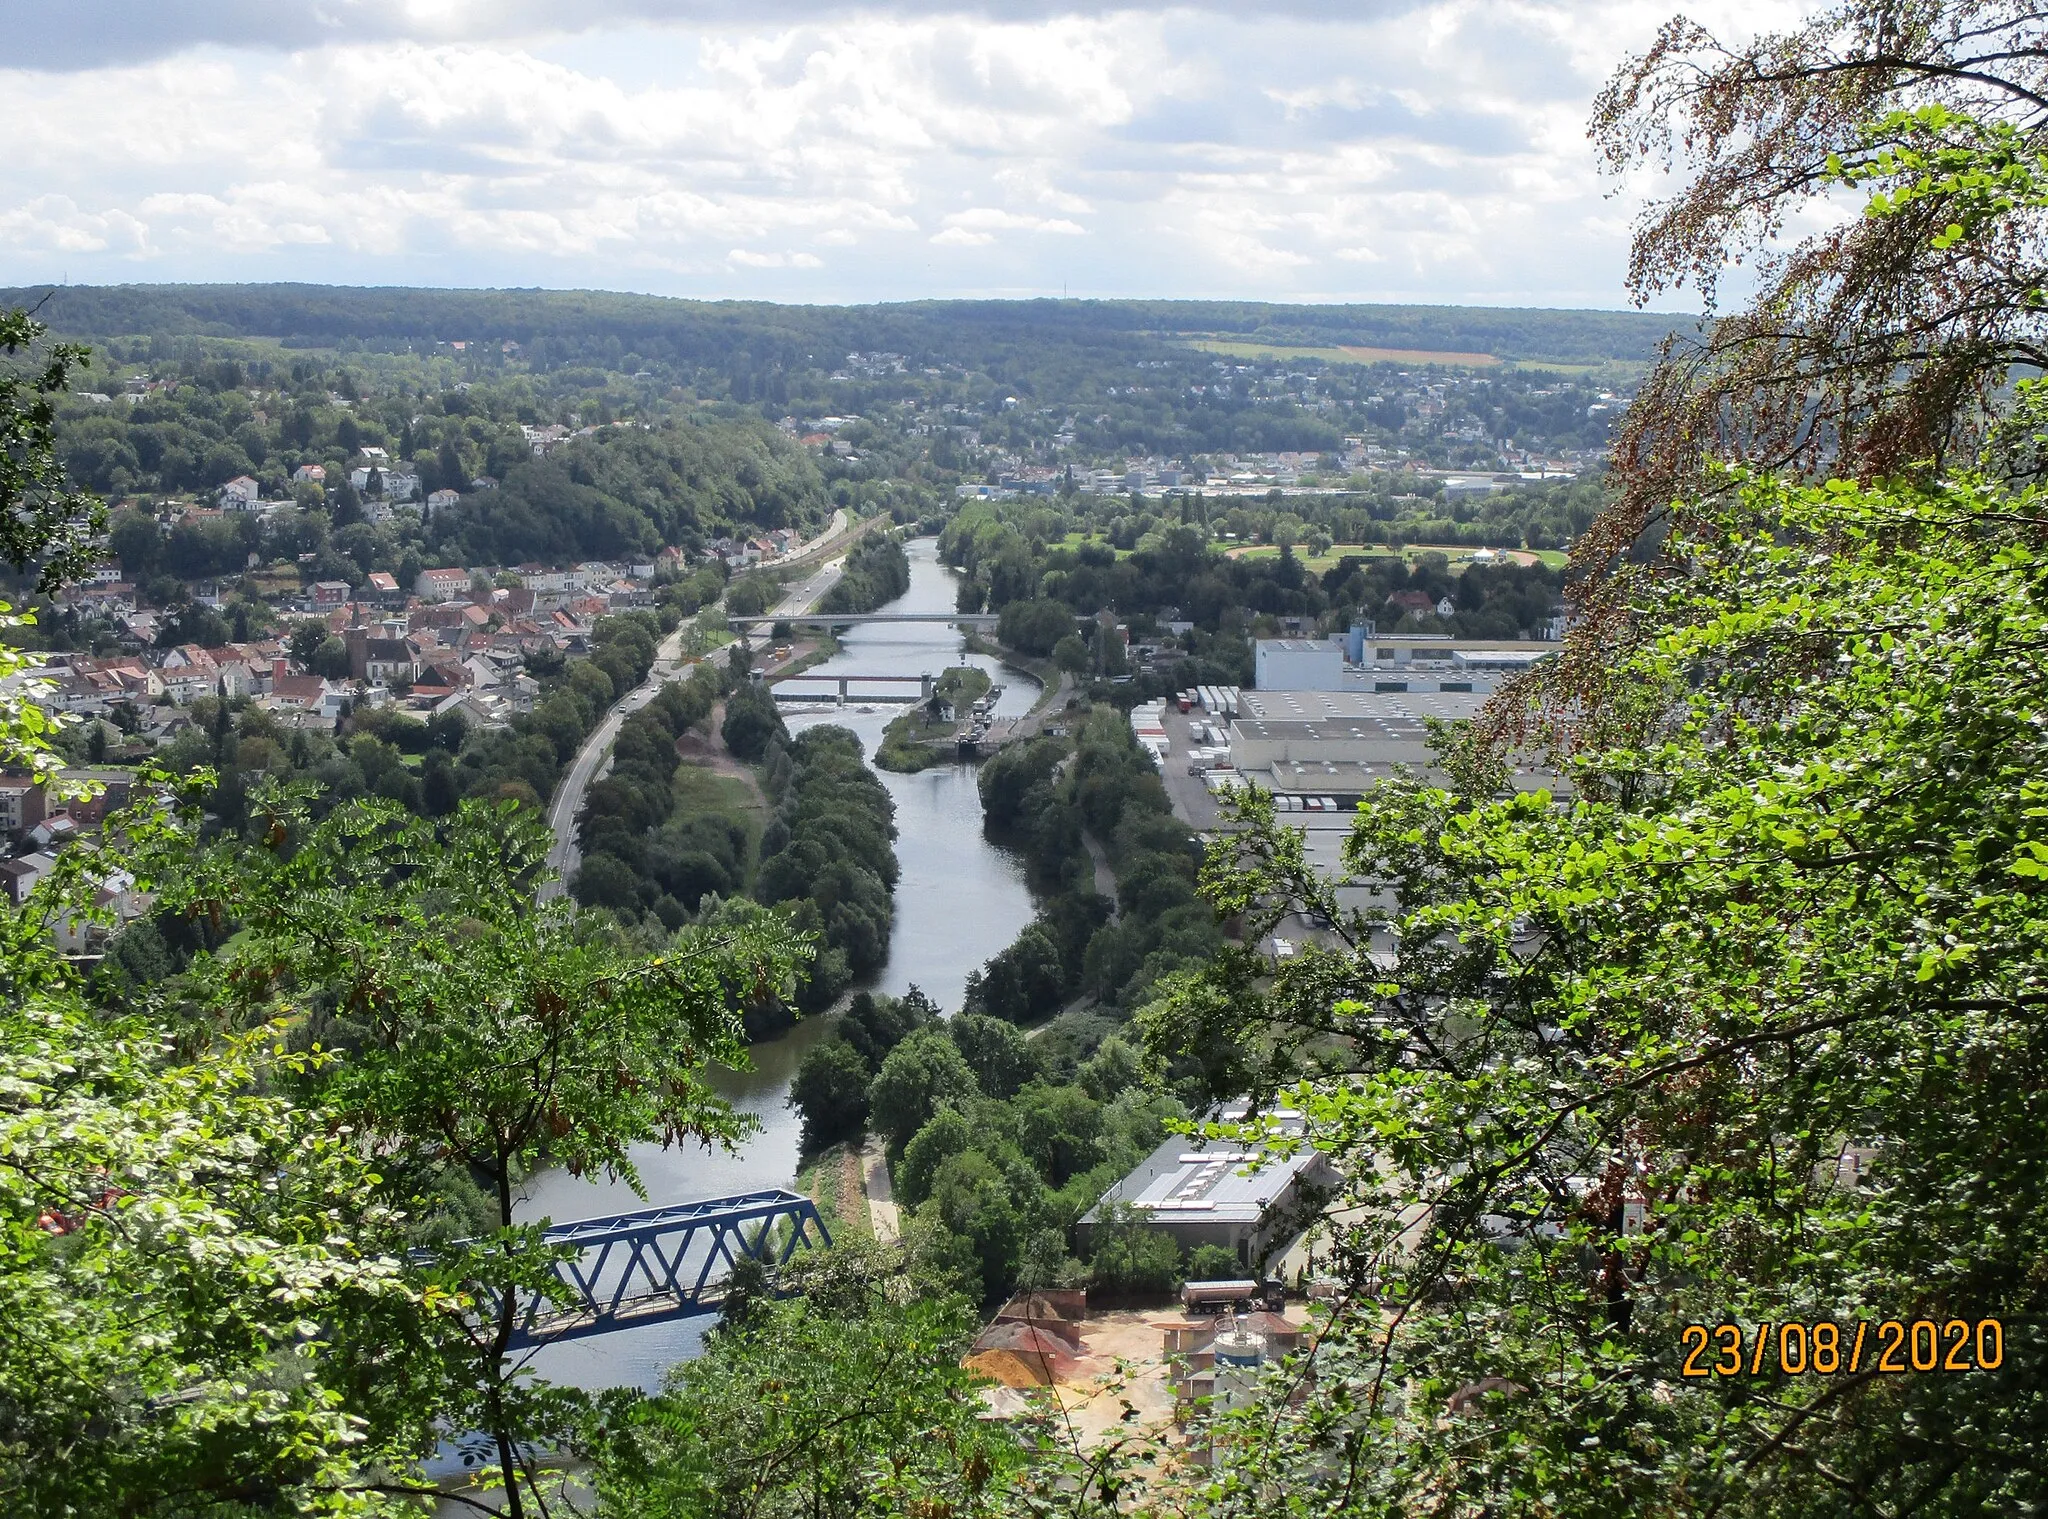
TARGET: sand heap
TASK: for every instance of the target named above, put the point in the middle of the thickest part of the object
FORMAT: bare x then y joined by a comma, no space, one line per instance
1045,1354
1008,1369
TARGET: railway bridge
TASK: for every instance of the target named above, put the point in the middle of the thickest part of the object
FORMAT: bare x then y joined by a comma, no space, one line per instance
657,1264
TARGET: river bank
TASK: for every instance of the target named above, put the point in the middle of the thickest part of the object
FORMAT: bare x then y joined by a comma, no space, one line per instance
960,900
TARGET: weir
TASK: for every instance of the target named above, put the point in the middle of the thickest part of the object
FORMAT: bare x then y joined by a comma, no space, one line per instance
926,683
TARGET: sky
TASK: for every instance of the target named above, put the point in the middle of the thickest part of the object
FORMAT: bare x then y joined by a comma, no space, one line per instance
1307,150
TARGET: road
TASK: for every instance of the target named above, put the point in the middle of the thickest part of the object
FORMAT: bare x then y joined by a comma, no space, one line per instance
669,664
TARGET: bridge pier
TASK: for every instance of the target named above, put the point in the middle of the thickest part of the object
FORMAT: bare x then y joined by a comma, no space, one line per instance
842,690
929,685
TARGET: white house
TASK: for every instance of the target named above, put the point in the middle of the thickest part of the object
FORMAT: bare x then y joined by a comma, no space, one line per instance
441,500
240,493
314,474
441,585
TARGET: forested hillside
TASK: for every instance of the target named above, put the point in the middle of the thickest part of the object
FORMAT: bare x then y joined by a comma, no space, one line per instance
625,492
603,328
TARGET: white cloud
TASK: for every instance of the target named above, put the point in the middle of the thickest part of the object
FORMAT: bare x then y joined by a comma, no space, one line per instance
1430,150
978,227
747,259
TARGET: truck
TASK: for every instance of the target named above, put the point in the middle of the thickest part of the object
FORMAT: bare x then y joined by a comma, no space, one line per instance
1241,1295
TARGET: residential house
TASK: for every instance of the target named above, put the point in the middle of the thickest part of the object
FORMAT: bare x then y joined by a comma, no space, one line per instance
54,832
381,661
400,485
384,585
304,694
21,804
115,898
544,440
441,500
19,877
441,585
113,789
236,670
240,493
109,598
310,474
538,577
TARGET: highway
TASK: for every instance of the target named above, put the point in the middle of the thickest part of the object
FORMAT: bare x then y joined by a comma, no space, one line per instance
669,664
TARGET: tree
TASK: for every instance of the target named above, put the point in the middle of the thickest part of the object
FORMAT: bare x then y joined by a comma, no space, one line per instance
179,1311
751,722
919,1076
490,1034
305,640
1129,1256
1735,1036
847,1400
946,1134
137,543
1874,346
831,1091
1035,627
997,1052
169,1238
330,659
1071,654
47,524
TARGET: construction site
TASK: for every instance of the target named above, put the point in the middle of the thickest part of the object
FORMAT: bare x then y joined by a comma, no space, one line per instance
1125,1373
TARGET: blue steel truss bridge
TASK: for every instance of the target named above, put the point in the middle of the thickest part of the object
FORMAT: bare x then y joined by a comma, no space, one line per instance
664,1263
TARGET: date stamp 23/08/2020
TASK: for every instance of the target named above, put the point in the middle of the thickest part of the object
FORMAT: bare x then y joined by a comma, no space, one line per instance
1886,1347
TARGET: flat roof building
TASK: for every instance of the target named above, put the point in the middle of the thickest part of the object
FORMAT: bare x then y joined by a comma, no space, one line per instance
1250,1201
1298,664
1343,743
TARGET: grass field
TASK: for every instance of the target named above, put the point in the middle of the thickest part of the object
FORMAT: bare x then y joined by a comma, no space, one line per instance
1617,369
1317,564
1230,349
698,787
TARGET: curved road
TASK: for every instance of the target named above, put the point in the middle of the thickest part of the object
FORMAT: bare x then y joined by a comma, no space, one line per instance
563,856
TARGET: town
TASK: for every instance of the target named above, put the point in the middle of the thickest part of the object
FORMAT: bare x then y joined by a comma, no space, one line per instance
878,878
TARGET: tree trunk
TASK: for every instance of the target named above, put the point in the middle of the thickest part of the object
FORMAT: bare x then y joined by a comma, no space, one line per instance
508,1315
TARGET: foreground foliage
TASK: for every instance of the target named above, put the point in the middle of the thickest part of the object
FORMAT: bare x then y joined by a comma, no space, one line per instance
847,1400
1751,1031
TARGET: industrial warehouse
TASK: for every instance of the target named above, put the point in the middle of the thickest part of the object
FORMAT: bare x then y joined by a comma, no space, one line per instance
1331,719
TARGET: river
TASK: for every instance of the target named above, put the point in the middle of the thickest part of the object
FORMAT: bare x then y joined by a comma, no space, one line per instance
959,900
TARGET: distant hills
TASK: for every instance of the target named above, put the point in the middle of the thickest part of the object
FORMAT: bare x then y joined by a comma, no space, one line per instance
565,325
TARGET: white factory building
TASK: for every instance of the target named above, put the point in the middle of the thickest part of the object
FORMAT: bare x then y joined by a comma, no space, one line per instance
1319,726
1298,664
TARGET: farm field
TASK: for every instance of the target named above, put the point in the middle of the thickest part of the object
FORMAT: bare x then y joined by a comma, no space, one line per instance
1459,555
1344,355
